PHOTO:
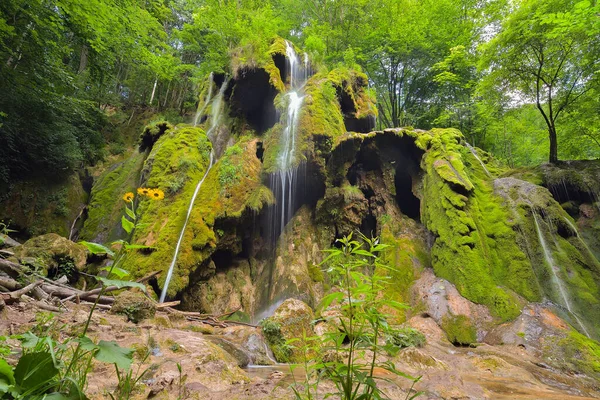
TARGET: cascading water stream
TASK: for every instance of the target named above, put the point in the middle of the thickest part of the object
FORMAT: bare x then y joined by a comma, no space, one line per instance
206,101
287,169
216,115
474,152
285,180
557,282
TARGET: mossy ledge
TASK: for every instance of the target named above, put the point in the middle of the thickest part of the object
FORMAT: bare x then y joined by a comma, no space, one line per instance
232,189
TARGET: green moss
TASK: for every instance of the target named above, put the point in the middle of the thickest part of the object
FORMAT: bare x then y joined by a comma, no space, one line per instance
459,330
106,205
397,339
476,247
407,257
583,352
272,332
37,207
161,221
315,273
232,187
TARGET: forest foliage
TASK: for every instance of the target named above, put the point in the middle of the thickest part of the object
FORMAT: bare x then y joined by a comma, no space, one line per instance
520,79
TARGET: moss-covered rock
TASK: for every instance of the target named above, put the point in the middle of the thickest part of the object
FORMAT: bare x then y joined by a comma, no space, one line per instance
566,270
459,330
105,206
294,270
53,253
475,247
37,207
292,320
230,189
134,305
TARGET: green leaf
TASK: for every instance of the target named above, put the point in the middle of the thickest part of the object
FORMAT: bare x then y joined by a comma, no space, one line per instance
127,224
112,353
130,213
29,340
119,272
7,377
121,284
96,248
35,371
327,300
86,343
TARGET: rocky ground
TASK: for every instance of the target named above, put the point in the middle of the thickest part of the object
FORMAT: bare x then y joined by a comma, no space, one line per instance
215,362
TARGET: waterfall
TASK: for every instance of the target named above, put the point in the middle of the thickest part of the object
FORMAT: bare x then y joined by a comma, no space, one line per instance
474,152
206,100
215,120
556,280
285,180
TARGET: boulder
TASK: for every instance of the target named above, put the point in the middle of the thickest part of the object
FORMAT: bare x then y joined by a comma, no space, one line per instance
134,305
292,320
51,252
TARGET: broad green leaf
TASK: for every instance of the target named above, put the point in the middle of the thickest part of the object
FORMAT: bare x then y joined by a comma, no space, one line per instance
119,272
96,248
112,353
7,377
121,284
35,371
127,224
29,340
86,343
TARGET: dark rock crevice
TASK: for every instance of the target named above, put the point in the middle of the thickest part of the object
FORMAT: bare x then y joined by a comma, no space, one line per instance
252,96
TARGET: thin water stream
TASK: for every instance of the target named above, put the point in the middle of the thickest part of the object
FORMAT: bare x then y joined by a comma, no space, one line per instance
216,115
206,101
474,152
556,280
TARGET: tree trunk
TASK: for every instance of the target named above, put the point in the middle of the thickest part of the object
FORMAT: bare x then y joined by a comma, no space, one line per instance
83,59
553,144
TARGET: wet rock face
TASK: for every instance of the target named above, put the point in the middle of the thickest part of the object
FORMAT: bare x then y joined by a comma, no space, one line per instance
566,270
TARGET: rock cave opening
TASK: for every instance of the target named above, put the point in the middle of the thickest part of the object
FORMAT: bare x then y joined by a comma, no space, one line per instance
251,95
222,259
409,204
280,62
351,122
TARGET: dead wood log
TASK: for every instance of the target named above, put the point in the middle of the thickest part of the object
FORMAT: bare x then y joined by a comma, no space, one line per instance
13,270
14,296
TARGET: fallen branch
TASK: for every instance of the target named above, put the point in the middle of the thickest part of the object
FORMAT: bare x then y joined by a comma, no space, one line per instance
15,296
69,293
208,319
169,304
9,283
148,277
14,270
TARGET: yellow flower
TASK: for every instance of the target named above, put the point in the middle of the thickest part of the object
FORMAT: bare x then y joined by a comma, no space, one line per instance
128,197
144,191
156,194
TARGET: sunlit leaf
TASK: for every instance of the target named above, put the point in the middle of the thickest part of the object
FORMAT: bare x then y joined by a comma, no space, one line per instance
96,248
121,284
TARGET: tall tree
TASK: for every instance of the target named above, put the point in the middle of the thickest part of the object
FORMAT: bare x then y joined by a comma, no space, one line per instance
546,53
